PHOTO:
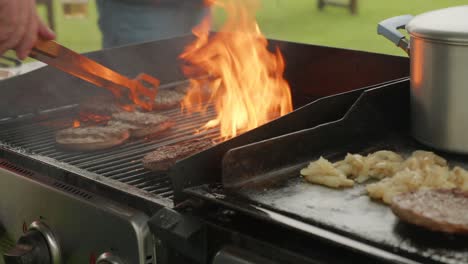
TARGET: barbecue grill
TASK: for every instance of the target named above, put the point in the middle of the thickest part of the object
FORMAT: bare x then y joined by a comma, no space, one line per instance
104,206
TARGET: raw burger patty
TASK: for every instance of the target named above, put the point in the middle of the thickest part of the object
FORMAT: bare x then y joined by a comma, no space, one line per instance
435,209
141,124
166,156
166,99
91,138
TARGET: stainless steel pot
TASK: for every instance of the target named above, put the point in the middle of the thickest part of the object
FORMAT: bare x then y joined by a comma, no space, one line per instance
438,49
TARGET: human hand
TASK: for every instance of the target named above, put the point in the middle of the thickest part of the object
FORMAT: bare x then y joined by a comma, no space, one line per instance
20,27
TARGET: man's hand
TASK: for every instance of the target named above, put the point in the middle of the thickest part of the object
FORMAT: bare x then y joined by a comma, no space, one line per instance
20,27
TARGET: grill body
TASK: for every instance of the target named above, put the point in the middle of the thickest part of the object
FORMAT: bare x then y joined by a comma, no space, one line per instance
72,213
34,106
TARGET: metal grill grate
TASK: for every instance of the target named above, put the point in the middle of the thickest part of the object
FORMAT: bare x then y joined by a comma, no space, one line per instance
122,163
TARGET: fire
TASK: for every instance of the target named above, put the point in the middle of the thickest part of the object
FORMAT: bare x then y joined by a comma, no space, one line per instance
246,82
76,123
128,108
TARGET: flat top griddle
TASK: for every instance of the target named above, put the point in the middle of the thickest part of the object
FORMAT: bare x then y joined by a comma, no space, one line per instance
265,176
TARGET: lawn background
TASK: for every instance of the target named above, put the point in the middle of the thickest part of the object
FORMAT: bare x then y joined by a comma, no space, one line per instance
293,20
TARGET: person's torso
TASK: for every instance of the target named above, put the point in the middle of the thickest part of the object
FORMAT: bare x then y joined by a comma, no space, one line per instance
174,3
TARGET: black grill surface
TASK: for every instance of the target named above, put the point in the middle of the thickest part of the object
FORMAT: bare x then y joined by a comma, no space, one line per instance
122,163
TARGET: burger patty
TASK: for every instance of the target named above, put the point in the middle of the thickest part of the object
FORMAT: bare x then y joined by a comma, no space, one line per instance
91,138
167,99
165,157
141,124
100,105
182,88
440,210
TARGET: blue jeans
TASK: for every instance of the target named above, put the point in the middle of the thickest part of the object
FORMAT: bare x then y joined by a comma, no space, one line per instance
122,23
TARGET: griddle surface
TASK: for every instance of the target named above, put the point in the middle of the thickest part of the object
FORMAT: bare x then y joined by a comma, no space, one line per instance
351,212
267,174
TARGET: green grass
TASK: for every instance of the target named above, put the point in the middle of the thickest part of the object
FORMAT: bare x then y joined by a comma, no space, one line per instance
81,35
300,21
293,20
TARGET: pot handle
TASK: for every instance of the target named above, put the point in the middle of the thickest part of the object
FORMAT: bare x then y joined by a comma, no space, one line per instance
389,29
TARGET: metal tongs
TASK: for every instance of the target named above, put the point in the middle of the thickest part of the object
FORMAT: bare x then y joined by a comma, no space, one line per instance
142,90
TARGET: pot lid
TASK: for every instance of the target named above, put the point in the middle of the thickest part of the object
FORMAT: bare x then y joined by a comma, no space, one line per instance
449,24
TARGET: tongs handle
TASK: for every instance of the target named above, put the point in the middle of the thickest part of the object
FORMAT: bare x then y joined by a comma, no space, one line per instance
141,90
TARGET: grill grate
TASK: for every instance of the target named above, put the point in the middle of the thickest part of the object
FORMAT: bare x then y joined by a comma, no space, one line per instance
122,163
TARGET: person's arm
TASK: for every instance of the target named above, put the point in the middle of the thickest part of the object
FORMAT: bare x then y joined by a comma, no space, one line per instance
20,27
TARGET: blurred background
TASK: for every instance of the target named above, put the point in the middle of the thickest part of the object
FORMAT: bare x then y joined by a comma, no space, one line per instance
292,20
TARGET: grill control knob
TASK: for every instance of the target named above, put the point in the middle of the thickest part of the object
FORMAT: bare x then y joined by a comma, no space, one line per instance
37,245
108,258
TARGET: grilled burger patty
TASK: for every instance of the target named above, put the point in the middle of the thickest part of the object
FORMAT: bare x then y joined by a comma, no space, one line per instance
141,124
100,105
435,209
167,99
91,138
182,88
165,157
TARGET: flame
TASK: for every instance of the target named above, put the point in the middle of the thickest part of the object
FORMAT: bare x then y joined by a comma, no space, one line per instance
76,123
128,108
246,82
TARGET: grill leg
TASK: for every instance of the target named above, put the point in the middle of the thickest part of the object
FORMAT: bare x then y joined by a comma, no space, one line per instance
353,7
50,12
321,4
